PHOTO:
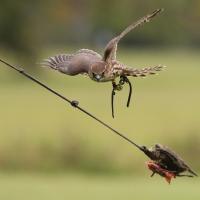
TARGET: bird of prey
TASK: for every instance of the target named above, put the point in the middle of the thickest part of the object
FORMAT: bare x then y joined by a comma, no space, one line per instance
103,68
166,162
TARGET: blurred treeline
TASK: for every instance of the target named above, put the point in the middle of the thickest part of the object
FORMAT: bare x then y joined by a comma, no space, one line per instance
28,26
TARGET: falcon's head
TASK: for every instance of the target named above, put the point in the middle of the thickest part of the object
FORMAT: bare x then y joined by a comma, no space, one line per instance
97,70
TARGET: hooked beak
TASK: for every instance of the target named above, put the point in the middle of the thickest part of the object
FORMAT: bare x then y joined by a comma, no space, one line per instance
97,77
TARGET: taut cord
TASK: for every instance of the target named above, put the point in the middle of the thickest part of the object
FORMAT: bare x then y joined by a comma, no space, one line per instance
73,103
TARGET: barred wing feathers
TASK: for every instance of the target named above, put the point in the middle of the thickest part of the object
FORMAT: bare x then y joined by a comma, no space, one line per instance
73,64
128,71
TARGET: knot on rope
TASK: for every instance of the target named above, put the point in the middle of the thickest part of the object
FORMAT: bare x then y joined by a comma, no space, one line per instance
74,103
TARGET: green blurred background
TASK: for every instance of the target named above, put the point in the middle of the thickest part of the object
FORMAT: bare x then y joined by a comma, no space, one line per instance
49,150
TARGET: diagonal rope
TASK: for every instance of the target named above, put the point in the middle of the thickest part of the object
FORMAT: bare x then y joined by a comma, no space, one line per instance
73,103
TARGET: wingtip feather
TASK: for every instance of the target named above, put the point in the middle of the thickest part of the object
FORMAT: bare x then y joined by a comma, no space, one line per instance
156,12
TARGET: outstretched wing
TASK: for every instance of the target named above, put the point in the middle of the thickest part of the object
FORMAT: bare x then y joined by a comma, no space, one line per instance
136,72
58,61
73,64
111,47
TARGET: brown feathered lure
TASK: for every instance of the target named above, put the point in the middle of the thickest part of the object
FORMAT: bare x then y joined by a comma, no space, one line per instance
166,163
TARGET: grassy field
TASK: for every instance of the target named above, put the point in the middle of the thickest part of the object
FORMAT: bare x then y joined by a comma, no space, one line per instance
39,132
82,187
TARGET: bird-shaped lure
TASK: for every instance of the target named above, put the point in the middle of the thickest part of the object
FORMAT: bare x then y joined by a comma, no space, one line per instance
166,162
106,68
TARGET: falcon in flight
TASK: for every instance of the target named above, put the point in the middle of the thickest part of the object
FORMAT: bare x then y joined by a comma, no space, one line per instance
104,68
